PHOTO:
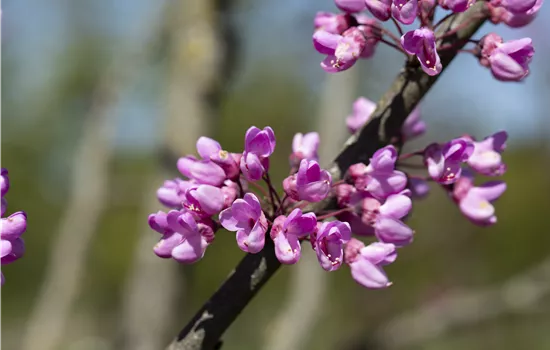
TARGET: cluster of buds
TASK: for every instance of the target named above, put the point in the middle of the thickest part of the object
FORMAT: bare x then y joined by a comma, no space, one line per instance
234,191
12,245
348,36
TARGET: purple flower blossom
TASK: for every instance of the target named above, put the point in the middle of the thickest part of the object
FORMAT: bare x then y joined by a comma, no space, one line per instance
486,158
517,20
260,142
342,50
444,161
456,5
4,181
404,11
516,6
379,178
350,6
418,187
287,231
366,262
363,109
12,246
230,192
211,149
304,147
185,239
202,171
252,167
381,9
476,202
371,29
329,242
312,183
386,218
509,61
331,22
172,193
421,42
245,216
204,200
413,125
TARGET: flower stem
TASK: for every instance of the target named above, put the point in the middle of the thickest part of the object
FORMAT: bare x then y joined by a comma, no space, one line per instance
410,155
260,188
397,25
334,213
443,19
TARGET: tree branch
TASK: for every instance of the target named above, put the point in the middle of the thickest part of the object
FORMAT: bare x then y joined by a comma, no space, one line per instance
207,326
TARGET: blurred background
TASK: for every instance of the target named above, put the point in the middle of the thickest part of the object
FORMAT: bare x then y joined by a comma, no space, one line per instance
101,97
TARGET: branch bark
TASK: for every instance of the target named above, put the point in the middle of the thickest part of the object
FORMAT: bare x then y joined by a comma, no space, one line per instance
211,321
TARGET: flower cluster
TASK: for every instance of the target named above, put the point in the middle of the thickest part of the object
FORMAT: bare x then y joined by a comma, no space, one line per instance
373,200
12,245
348,36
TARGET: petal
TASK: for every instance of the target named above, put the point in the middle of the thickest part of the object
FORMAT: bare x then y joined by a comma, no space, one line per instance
396,206
14,226
410,42
242,210
505,68
210,198
368,274
5,248
17,251
384,159
190,250
434,160
390,230
159,223
228,221
476,208
490,190
380,185
207,146
379,252
188,223
405,11
252,167
254,204
165,246
287,248
256,237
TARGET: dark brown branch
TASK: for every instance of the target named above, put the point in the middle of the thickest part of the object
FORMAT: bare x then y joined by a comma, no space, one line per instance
212,320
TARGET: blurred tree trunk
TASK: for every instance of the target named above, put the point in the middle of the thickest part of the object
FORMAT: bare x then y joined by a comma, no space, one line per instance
197,58
308,282
78,224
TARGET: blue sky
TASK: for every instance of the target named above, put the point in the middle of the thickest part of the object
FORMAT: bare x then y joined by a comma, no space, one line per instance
35,33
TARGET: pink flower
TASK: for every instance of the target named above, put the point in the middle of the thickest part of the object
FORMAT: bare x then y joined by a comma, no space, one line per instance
486,158
304,147
287,231
371,29
331,22
476,202
363,109
516,6
444,161
404,11
172,193
419,188
509,61
258,146
456,5
421,42
4,181
202,171
312,183
350,6
204,200
366,262
516,20
386,218
185,238
245,216
381,9
342,50
379,178
329,242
